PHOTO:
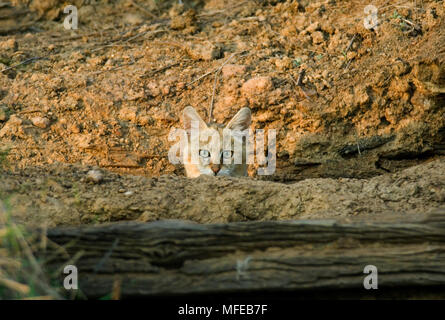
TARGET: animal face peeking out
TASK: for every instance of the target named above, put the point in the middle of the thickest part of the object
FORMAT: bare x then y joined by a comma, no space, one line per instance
213,149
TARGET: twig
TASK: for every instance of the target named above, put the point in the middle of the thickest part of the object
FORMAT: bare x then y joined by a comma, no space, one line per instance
151,73
33,262
398,5
347,49
127,40
115,68
71,261
214,84
413,25
24,62
350,43
299,83
300,77
203,76
142,8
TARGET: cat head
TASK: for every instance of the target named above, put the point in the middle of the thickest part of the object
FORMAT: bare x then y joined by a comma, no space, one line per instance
211,155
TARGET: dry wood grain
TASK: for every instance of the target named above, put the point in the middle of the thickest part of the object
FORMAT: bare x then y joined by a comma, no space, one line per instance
178,257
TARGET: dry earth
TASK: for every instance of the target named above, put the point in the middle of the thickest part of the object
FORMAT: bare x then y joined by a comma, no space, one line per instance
63,195
362,135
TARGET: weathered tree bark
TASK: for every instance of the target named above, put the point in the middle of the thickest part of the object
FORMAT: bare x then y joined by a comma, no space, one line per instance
177,257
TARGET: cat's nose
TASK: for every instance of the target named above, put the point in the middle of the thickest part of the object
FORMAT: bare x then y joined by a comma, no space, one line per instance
215,168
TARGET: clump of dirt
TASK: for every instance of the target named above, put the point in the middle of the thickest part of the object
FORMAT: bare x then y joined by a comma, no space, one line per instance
347,102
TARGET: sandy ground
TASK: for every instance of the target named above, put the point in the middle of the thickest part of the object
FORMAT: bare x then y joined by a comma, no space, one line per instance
65,195
361,135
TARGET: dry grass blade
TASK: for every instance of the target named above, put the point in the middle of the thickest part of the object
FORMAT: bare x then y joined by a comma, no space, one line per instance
22,289
18,263
40,298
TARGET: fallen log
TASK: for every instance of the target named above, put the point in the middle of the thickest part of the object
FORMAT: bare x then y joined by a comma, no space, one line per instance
176,257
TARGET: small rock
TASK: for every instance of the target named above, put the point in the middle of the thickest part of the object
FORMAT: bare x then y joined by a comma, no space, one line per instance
313,27
85,13
14,120
207,51
128,114
317,37
132,18
129,193
164,116
180,85
400,67
9,44
440,195
154,88
325,74
187,19
74,128
283,63
94,176
230,70
40,122
144,120
327,27
176,10
165,90
3,115
97,61
257,85
351,55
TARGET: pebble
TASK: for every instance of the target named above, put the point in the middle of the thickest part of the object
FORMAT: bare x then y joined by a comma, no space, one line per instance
40,122
205,51
283,63
14,120
94,176
317,37
131,18
257,85
230,70
128,114
313,27
10,44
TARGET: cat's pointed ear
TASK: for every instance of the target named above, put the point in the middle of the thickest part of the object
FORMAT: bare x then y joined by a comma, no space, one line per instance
189,115
241,121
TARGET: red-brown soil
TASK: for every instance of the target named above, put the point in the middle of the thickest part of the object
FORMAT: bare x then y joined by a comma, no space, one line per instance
363,134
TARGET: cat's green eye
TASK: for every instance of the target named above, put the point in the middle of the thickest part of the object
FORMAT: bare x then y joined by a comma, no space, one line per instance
204,153
227,154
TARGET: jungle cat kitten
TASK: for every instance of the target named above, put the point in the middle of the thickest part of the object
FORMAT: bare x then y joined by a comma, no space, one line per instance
212,158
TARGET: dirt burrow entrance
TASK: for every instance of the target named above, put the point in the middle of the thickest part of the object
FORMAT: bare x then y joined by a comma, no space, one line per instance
370,105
